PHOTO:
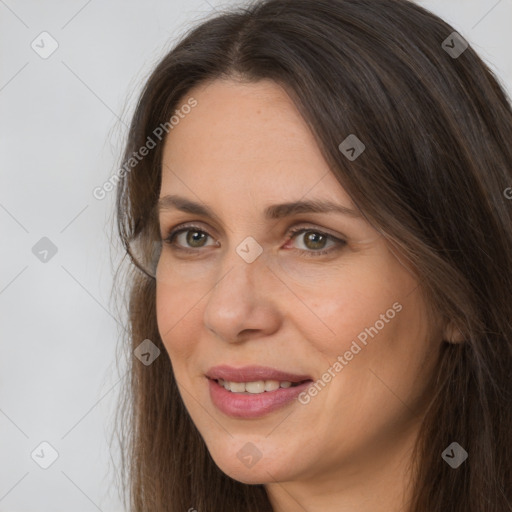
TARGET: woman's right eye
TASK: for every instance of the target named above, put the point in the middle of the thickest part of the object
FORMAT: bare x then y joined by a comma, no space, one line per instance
188,237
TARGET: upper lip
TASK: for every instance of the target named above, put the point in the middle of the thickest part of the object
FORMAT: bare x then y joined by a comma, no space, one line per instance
252,373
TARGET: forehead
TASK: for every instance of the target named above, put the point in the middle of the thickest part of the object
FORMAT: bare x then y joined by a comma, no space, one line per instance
246,136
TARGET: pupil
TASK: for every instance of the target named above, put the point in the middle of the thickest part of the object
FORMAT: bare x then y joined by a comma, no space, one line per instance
316,239
194,236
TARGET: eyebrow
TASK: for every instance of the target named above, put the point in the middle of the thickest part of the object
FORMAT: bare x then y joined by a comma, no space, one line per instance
275,211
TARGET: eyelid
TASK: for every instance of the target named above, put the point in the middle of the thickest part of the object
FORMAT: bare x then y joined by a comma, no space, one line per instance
308,227
197,224
170,232
300,224
291,233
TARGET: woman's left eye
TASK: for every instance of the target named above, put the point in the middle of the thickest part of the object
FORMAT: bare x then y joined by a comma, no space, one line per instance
315,241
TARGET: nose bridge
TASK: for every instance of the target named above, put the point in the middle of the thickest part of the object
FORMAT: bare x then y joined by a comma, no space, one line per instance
244,264
238,301
235,285
236,276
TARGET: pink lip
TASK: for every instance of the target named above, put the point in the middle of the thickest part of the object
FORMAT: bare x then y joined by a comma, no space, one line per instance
248,405
252,373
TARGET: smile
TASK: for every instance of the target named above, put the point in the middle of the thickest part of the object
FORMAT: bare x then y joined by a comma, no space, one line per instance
252,399
255,387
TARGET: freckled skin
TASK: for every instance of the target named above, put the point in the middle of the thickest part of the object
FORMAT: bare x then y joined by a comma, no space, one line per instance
242,148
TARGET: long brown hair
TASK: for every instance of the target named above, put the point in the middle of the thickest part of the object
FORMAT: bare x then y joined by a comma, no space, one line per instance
434,178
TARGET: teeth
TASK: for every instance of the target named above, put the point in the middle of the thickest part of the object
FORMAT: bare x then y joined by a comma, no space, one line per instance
255,387
271,385
236,387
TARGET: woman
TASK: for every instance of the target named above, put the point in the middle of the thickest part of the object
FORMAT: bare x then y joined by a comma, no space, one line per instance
318,217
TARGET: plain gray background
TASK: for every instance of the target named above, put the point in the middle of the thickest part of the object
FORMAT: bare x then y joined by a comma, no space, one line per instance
63,120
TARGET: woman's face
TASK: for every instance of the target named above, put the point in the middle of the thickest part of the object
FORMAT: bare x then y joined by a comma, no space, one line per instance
331,305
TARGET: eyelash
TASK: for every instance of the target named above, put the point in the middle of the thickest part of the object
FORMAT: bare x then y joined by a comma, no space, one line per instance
292,233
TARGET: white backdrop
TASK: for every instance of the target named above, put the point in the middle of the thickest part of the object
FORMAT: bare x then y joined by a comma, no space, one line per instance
62,122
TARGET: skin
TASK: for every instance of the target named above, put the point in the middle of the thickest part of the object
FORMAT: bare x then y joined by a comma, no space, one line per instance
241,149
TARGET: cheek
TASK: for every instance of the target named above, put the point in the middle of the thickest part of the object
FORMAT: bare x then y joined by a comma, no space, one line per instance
180,286
339,307
374,325
177,319
385,361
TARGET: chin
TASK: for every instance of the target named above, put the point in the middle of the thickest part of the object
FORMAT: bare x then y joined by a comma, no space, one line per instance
238,465
247,476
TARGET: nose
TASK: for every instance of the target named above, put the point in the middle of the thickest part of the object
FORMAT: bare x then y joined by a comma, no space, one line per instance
241,305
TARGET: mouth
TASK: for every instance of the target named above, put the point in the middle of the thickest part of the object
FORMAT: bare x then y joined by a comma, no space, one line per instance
253,391
248,374
258,386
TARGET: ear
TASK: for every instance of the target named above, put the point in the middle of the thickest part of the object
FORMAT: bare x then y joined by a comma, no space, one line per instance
452,334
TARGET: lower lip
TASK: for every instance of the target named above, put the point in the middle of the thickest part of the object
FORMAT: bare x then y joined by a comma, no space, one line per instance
241,405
